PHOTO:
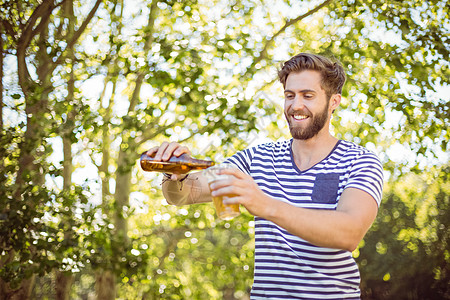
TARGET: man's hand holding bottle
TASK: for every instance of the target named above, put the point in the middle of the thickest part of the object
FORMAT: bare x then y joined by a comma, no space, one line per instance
173,160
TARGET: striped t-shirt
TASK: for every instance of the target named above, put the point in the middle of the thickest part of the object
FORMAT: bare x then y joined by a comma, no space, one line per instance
286,266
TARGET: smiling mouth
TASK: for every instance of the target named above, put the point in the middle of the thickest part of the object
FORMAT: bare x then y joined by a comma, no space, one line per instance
300,117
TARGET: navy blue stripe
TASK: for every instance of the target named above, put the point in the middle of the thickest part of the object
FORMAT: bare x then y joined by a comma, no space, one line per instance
290,195
263,176
334,275
240,159
272,167
374,174
346,282
311,284
298,290
301,264
298,256
266,296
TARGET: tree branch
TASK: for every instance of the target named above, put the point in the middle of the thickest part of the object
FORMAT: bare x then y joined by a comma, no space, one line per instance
9,29
148,43
43,23
270,41
84,24
1,84
78,33
150,134
43,12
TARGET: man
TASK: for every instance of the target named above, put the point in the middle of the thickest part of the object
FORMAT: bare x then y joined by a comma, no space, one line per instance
313,197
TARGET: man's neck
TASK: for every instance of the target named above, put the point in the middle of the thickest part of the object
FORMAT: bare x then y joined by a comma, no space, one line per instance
309,152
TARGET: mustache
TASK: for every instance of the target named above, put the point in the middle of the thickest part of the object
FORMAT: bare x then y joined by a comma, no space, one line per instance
299,112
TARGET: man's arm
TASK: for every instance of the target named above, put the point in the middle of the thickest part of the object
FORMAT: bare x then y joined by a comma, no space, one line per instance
190,190
179,189
342,228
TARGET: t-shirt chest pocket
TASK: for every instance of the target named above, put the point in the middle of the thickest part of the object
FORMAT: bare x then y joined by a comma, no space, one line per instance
325,188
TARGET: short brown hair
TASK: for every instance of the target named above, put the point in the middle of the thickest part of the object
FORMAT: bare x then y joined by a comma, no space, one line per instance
332,72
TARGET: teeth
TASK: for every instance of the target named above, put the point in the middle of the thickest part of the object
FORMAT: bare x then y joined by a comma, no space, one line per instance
300,117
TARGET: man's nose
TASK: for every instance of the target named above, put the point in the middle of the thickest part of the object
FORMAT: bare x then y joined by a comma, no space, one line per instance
297,103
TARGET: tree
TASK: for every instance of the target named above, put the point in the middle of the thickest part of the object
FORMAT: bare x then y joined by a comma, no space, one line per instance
400,74
26,27
405,255
109,81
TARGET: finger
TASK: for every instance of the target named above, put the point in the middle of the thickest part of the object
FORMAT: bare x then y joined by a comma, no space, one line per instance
233,171
223,191
181,150
152,150
232,200
169,151
161,149
220,183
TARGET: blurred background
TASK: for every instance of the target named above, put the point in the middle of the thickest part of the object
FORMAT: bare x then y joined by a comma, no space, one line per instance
86,86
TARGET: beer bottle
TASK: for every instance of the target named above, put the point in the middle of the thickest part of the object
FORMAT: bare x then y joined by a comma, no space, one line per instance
181,165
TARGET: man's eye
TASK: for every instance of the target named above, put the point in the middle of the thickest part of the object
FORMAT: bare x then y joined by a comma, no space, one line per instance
308,96
289,96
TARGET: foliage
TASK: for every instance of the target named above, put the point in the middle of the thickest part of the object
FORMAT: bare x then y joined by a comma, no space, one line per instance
107,80
394,75
31,225
406,254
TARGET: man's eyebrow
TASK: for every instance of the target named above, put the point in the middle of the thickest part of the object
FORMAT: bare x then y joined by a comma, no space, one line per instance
301,91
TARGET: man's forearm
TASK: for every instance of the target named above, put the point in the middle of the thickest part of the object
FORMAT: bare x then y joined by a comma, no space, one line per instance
342,228
191,190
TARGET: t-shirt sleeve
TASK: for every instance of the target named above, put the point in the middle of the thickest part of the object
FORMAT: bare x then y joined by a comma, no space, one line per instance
242,160
367,174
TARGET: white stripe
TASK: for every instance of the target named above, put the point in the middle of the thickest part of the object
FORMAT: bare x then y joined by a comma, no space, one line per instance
300,262
327,267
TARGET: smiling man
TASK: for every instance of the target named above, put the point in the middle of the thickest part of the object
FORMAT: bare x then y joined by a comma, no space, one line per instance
313,197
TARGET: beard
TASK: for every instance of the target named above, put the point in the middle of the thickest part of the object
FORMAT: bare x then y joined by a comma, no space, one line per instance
317,122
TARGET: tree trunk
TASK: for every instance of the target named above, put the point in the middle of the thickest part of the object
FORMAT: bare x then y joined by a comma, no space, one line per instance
32,30
26,287
105,279
123,185
21,293
36,101
1,78
63,285
127,153
64,280
105,175
105,285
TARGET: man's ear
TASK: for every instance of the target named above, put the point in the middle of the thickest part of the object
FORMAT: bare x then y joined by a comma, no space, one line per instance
335,100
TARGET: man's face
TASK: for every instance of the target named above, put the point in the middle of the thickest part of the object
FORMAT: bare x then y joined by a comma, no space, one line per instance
306,105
